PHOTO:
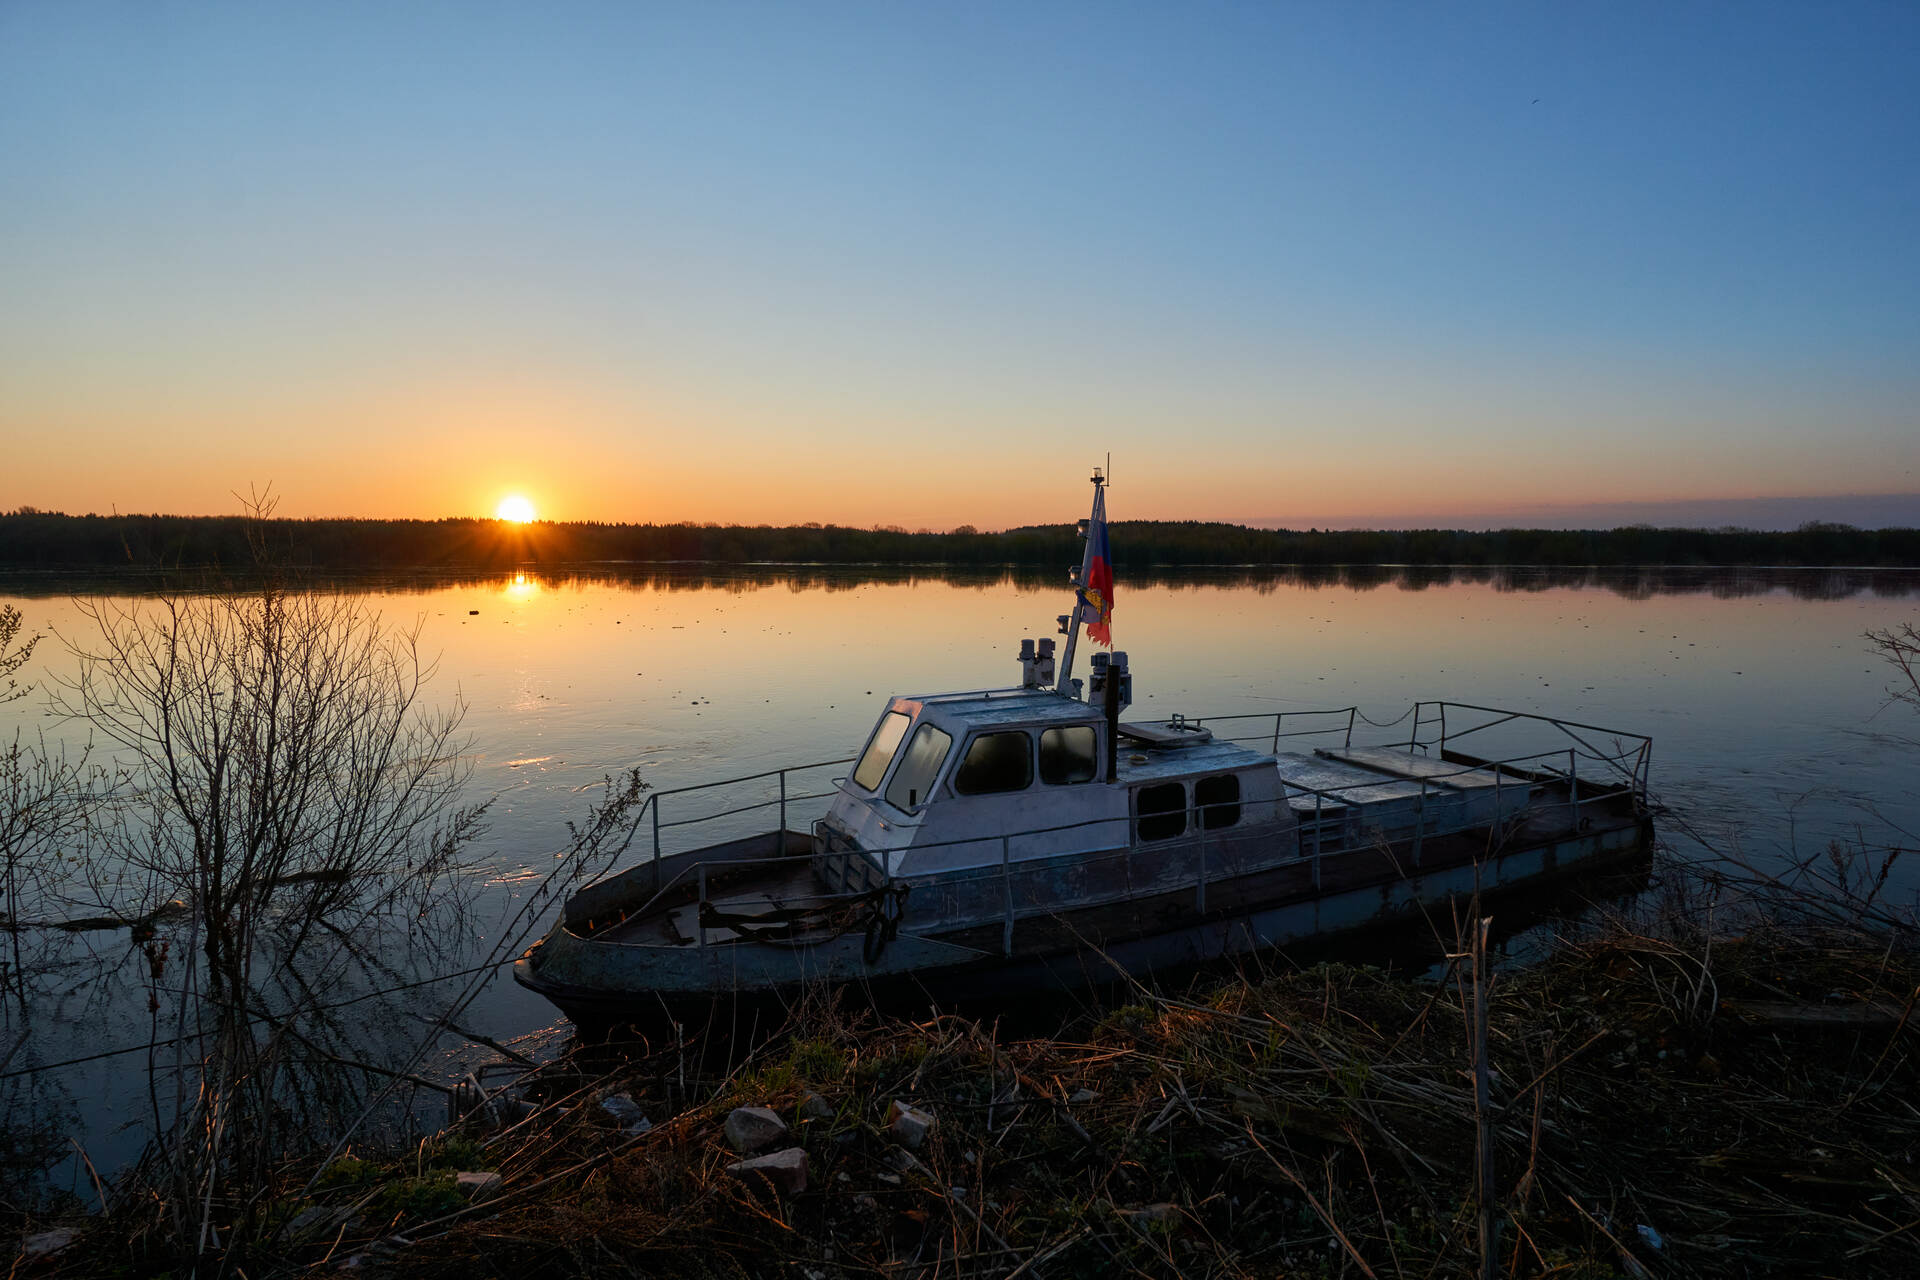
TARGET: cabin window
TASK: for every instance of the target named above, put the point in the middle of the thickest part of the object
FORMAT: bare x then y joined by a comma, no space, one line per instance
879,753
1067,755
913,780
1218,800
995,762
1162,811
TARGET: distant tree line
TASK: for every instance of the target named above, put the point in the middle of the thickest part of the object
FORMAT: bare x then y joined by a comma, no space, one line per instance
49,540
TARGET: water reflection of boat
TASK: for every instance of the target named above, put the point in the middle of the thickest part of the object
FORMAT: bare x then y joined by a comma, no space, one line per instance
1027,838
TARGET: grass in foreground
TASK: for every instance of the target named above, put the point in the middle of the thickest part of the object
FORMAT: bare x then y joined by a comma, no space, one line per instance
1742,1107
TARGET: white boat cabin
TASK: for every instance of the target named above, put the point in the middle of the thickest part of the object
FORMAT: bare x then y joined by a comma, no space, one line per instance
956,780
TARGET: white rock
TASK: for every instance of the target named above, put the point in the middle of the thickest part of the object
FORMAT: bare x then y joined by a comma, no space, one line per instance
908,1124
478,1186
47,1242
786,1170
751,1128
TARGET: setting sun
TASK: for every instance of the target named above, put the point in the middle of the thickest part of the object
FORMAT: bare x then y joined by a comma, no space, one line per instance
514,508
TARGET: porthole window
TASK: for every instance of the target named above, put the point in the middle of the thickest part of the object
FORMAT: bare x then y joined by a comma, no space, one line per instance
1067,755
995,762
1162,811
1218,800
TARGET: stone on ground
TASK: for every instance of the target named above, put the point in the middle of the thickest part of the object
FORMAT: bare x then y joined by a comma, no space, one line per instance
47,1242
908,1124
626,1113
752,1128
786,1170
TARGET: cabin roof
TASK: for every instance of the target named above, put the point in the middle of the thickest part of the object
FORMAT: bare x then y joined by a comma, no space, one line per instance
1027,708
1009,707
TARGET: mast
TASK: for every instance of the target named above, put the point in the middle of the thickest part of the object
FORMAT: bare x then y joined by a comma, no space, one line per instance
1070,623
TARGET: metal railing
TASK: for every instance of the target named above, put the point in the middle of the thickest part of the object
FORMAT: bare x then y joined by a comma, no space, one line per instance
1433,733
1344,719
1630,763
1634,747
650,808
1018,887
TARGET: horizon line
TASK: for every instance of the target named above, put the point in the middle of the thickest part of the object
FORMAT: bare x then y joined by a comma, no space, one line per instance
1757,515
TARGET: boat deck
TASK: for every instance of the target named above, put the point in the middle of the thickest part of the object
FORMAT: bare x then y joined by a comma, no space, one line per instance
1407,764
766,887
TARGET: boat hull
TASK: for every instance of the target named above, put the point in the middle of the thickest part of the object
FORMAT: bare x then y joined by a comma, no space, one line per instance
600,984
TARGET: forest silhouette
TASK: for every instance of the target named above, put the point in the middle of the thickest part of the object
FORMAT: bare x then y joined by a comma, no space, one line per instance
31,539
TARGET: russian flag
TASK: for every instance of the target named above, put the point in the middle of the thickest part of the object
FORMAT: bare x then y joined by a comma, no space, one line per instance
1096,596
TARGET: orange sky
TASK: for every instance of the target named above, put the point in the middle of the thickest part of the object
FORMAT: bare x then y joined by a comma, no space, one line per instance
455,446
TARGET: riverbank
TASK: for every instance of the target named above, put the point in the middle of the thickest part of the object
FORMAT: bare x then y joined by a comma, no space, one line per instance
1687,1103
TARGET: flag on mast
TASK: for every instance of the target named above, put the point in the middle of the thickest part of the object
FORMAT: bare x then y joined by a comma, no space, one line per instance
1096,596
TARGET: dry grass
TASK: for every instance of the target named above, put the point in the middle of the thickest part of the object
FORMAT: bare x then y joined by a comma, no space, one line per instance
1316,1123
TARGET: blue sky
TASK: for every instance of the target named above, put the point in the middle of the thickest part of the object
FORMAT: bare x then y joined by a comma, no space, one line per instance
920,265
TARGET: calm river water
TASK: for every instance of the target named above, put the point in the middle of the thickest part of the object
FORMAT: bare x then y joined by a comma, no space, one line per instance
1768,715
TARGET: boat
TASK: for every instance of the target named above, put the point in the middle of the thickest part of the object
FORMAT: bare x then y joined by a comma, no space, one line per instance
1026,839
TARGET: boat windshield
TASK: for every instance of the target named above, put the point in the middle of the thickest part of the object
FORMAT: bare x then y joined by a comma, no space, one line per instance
913,780
879,753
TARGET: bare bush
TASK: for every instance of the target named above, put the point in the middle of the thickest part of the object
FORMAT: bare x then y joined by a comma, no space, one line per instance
287,786
13,653
295,815
46,795
1899,647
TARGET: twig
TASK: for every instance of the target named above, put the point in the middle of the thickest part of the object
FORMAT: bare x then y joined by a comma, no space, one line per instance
1326,1218
1032,1264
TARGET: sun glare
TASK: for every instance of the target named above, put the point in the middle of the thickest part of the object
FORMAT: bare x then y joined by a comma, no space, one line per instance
515,508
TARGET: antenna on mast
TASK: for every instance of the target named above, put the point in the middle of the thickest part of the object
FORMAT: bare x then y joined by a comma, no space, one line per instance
1070,622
